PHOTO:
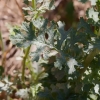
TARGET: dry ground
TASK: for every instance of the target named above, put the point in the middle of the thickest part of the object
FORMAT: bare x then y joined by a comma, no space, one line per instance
10,13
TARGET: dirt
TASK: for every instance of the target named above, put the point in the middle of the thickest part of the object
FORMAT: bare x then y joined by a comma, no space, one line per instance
10,14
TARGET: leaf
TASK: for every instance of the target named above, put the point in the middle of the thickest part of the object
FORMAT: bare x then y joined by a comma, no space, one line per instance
24,37
27,8
85,26
96,88
62,34
51,34
60,62
93,96
71,63
36,68
69,40
43,75
35,89
74,38
36,55
42,41
40,23
46,30
93,14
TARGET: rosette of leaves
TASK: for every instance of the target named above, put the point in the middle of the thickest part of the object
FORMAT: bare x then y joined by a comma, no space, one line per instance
57,51
65,43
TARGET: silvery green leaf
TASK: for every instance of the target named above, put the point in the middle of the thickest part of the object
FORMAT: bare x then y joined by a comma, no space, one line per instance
43,75
36,68
27,8
93,96
93,14
36,55
23,37
1,84
83,24
96,88
44,39
71,62
62,34
60,61
50,32
35,89
23,93
58,64
38,23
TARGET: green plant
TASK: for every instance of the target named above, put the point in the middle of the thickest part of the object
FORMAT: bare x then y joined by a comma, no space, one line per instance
65,64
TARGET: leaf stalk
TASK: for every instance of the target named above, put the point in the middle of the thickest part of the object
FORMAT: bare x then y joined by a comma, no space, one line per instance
34,4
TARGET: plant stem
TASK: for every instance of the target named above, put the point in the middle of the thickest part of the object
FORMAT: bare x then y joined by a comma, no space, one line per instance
27,50
37,78
24,62
34,4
